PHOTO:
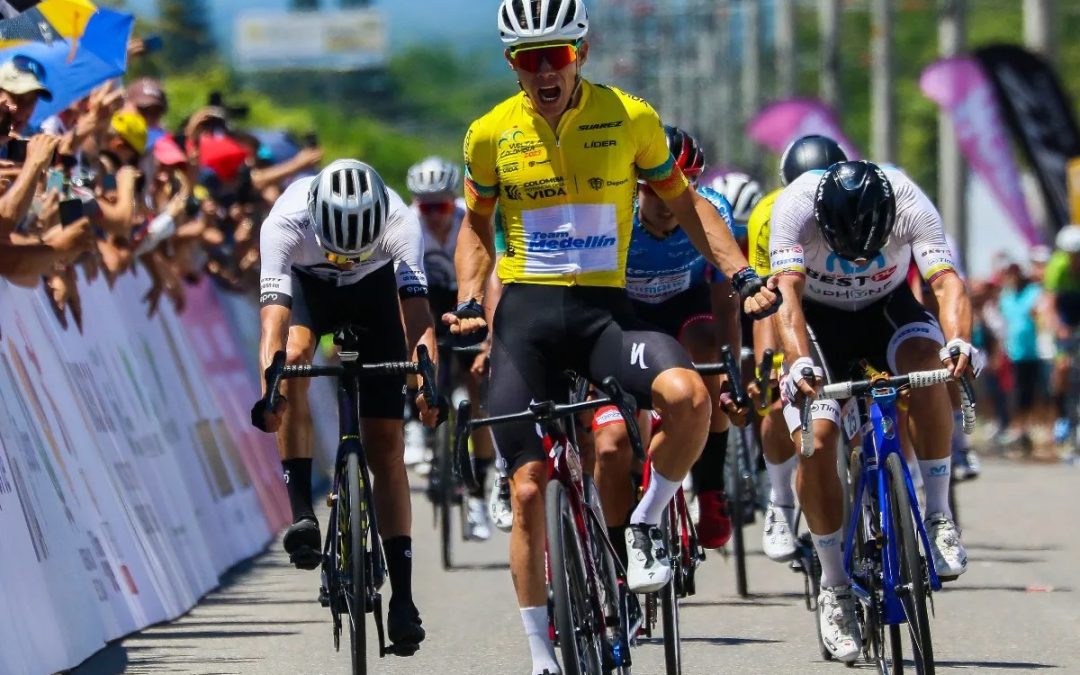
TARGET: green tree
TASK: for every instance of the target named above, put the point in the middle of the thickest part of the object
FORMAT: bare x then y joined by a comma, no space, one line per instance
185,30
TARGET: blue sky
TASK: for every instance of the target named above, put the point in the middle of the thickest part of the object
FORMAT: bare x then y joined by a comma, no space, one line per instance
466,23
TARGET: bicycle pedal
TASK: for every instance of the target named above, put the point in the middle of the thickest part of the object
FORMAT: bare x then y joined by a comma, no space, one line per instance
324,596
305,558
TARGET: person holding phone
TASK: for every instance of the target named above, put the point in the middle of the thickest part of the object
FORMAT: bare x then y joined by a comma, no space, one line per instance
146,97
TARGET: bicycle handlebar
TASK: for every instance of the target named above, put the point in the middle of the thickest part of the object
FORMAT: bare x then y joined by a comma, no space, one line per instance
730,367
764,377
913,380
423,366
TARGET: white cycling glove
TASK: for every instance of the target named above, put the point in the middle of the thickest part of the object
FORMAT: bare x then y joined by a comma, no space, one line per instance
975,356
789,383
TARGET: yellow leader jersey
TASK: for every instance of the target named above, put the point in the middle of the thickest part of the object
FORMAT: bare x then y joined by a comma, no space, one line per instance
567,196
757,233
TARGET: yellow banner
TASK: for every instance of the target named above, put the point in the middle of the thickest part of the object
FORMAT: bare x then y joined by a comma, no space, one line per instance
1074,190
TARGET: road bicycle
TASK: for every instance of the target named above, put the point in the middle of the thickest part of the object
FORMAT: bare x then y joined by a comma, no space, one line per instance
594,616
891,577
353,567
446,490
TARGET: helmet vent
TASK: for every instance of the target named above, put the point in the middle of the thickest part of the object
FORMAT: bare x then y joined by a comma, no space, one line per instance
350,243
335,183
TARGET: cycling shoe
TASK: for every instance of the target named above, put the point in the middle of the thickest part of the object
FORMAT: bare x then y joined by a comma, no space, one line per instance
302,542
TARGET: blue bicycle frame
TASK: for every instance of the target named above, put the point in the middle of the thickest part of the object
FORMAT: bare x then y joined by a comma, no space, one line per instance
881,440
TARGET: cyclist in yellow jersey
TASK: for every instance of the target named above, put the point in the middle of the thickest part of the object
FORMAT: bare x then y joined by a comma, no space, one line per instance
777,540
561,160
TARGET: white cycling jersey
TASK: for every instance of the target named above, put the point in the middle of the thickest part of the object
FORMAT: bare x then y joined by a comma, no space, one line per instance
796,245
439,257
287,242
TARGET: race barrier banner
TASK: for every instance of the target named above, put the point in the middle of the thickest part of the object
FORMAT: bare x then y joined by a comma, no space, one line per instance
130,478
961,88
780,123
1041,118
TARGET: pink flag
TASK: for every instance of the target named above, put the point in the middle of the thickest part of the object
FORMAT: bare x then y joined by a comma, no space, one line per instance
780,123
959,85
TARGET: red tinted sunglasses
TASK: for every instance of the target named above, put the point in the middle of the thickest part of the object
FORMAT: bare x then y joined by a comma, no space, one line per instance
531,59
428,208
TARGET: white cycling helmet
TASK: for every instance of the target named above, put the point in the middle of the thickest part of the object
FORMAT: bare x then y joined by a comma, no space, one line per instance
741,191
1068,239
348,203
433,176
523,22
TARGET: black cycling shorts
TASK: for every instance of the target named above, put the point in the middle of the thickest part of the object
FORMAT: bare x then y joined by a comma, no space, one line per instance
673,315
874,333
541,331
371,306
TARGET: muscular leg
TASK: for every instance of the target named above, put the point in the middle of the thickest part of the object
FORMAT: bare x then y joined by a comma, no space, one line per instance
822,499
295,438
930,423
614,462
384,444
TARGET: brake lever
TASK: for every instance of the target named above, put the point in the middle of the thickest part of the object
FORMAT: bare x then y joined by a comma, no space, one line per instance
273,379
805,421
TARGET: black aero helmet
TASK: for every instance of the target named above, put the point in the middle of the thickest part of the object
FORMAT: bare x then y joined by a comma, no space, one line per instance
687,153
809,153
855,208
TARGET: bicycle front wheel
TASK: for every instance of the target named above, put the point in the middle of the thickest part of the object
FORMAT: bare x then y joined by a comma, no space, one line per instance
912,570
739,498
446,493
578,633
669,595
353,506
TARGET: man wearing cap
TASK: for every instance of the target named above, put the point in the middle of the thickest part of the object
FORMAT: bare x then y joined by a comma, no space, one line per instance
22,83
146,97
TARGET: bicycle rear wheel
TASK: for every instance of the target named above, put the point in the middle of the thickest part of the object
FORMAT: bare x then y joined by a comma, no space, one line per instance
578,630
353,512
669,594
912,570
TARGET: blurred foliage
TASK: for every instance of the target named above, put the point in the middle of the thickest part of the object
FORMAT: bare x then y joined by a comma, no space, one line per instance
421,104
184,26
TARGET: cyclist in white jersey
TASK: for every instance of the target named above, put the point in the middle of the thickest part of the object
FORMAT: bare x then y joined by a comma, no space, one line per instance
841,243
434,183
339,249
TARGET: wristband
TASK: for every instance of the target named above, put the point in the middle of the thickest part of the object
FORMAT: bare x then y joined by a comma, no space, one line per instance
746,282
470,309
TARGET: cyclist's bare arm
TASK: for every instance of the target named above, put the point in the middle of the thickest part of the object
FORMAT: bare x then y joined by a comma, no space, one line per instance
955,310
419,327
791,325
475,255
275,335
708,231
764,337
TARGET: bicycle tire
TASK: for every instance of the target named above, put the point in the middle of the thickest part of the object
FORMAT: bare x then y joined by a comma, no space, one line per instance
580,644
446,493
912,570
738,521
616,612
669,597
356,561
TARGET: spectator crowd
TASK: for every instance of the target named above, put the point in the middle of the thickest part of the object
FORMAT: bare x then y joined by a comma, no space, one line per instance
103,186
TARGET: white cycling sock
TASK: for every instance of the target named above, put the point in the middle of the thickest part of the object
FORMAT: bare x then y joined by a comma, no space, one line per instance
914,468
831,556
936,474
536,629
657,495
780,490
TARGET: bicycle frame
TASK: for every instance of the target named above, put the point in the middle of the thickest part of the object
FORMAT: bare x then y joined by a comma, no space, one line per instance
877,410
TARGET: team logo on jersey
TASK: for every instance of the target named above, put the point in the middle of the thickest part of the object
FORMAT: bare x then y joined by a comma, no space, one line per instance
512,191
512,136
605,143
849,267
600,125
545,188
596,183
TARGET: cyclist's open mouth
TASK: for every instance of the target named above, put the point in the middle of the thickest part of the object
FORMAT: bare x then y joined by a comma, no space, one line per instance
550,94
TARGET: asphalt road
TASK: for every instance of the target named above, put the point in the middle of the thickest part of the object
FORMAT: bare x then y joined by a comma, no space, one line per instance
1016,610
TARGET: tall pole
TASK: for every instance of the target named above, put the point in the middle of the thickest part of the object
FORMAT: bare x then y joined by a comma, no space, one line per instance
1039,28
883,104
725,89
751,73
785,48
952,174
829,29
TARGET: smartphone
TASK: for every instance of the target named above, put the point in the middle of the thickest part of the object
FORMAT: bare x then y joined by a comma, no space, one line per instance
69,162
16,150
108,182
70,211
152,43
311,140
6,120
55,181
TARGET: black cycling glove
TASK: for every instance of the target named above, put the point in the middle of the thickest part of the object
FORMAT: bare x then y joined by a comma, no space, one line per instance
258,413
747,283
470,309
